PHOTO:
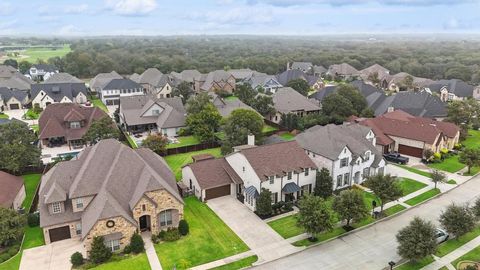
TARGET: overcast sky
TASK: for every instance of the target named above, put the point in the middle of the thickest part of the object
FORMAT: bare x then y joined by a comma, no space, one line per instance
272,17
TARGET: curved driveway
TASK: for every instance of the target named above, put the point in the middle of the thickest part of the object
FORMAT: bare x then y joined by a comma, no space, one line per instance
375,246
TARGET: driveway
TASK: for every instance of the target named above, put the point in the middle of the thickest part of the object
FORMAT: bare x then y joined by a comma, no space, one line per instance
55,256
259,237
375,246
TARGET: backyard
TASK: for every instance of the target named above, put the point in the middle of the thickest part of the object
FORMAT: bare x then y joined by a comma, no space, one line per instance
98,103
177,161
184,141
209,239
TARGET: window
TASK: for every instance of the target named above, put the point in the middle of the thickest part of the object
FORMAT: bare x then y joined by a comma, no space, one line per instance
56,207
339,180
166,218
346,179
78,228
306,189
144,207
306,171
289,176
243,169
272,179
274,197
79,203
343,162
155,112
367,156
74,124
366,172
113,245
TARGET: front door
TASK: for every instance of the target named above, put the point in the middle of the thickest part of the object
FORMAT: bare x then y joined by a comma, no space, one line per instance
289,197
144,223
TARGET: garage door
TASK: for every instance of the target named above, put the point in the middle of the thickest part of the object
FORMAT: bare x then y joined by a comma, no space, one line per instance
410,151
60,233
217,192
14,106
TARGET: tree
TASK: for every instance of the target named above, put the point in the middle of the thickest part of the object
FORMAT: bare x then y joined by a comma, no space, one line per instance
367,113
299,85
155,142
99,253
264,203
183,90
385,187
183,227
11,62
470,157
438,177
195,104
204,123
24,66
11,226
407,82
463,113
350,206
136,243
336,105
373,77
76,259
290,121
101,129
476,208
237,127
417,240
17,150
314,215
263,105
457,219
351,93
245,93
323,184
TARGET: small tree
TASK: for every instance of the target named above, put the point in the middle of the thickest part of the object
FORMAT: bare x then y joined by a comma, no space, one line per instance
315,215
155,142
350,206
417,240
264,203
438,177
299,85
183,227
476,208
323,184
76,259
101,129
99,253
470,157
136,244
385,187
11,226
457,219
245,93
263,105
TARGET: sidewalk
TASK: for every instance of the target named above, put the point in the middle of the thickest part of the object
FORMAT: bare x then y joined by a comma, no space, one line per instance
223,261
450,257
150,250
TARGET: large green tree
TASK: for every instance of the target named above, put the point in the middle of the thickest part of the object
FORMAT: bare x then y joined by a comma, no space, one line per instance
195,104
155,142
336,105
385,187
299,85
463,112
263,105
11,62
314,215
470,157
350,92
350,206
245,93
101,129
457,219
183,90
238,126
417,240
323,184
11,226
17,150
204,123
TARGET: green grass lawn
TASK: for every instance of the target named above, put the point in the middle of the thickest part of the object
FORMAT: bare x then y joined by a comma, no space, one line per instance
413,170
131,141
31,182
452,244
231,98
417,265
3,116
33,238
240,264
98,103
394,209
35,128
473,139
452,182
287,136
43,53
184,141
177,161
266,128
409,185
209,239
137,262
473,171
31,115
287,226
368,198
423,197
450,164
473,255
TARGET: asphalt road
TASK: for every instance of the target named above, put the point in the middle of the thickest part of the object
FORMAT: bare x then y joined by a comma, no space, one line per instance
375,246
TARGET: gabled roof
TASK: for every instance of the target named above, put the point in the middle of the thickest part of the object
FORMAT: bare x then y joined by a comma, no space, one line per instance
10,186
241,74
455,86
6,94
116,84
45,67
16,81
63,78
211,173
302,65
57,91
286,100
342,69
189,75
374,68
102,79
258,80
293,74
319,69
217,76
7,71
153,77
226,106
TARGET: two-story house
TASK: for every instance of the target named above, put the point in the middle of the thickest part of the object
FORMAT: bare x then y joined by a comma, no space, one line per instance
283,168
111,92
111,191
266,82
216,81
286,100
44,94
12,99
41,72
347,151
155,82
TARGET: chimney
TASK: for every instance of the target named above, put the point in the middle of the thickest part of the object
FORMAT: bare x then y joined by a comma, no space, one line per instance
251,140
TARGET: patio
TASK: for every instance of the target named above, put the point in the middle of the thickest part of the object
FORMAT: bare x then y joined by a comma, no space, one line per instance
49,153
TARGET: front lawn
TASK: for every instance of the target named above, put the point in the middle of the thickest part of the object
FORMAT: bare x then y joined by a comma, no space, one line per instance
473,255
209,239
450,164
3,116
413,170
473,171
417,265
287,226
33,238
177,161
394,209
184,141
409,185
473,139
452,244
368,198
452,182
423,197
240,264
31,182
137,262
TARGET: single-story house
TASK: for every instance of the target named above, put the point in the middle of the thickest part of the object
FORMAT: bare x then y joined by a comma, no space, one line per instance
286,100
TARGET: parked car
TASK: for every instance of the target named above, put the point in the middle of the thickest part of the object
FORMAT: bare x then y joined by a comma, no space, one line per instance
396,158
441,235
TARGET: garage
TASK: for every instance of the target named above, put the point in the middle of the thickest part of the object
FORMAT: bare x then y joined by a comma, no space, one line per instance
216,192
60,233
14,106
410,151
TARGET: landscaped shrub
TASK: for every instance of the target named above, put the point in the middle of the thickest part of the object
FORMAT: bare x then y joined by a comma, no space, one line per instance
457,146
161,235
183,227
33,219
9,252
99,252
288,206
437,156
76,259
136,243
127,249
172,234
444,151
155,239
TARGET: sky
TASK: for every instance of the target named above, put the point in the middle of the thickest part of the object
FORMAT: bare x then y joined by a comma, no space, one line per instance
257,17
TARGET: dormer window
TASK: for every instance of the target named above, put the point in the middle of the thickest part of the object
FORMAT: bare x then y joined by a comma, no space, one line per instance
79,203
156,112
56,207
74,125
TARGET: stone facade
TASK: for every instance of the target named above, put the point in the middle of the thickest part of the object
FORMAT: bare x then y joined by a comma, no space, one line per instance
123,226
165,201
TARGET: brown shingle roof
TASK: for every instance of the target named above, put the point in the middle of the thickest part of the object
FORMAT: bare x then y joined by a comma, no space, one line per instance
212,173
10,185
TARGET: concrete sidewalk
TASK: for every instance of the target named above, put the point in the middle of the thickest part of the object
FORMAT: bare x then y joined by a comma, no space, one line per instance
150,250
452,256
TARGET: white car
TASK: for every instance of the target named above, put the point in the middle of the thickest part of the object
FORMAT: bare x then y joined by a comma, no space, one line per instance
441,235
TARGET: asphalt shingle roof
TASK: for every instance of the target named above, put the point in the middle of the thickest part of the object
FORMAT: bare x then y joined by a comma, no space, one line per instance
286,100
59,90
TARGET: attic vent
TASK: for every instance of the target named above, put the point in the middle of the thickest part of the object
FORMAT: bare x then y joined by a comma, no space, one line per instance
56,89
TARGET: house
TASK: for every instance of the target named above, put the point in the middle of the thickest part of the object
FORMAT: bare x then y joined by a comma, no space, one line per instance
268,83
66,123
347,151
63,77
41,72
12,79
375,70
226,106
12,192
343,71
102,79
319,71
155,82
410,135
399,82
216,81
294,74
286,100
190,76
242,74
283,168
43,94
6,72
11,99
146,113
111,92
451,89
111,191
306,67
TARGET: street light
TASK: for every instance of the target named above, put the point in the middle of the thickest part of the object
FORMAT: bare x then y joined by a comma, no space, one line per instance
392,264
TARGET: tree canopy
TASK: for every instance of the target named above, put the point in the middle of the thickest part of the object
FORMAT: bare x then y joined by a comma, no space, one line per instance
155,142
314,215
101,129
385,187
237,127
17,150
299,85
417,240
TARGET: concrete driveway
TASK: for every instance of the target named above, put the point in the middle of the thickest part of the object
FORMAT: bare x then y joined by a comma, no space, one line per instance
375,246
55,256
258,236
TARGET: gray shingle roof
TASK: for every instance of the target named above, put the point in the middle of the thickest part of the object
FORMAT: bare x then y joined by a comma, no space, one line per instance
227,106
188,75
45,67
455,86
63,78
215,77
262,80
16,81
293,74
286,100
102,79
59,90
302,65
342,69
116,84
6,94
